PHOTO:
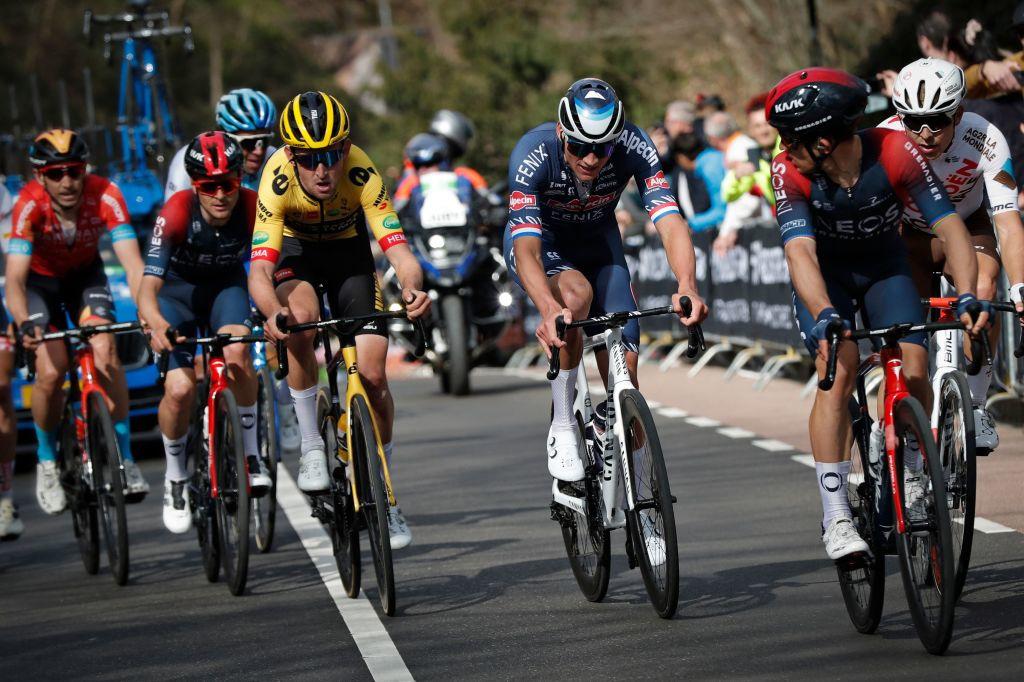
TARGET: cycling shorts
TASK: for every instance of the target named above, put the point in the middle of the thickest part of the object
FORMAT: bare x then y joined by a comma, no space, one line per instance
880,287
927,254
195,308
345,267
600,259
83,295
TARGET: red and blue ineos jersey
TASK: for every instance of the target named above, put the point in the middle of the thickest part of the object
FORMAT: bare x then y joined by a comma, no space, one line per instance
861,218
544,198
183,245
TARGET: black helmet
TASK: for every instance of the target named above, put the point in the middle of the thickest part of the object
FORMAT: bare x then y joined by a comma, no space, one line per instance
454,127
426,149
212,155
57,146
816,102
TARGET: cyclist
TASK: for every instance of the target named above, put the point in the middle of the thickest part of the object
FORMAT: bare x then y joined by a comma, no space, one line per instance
315,202
195,279
428,153
562,243
973,162
54,269
11,525
839,197
458,132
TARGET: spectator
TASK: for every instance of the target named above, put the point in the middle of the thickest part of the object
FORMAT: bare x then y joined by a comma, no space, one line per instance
749,176
679,118
697,181
706,105
992,76
724,135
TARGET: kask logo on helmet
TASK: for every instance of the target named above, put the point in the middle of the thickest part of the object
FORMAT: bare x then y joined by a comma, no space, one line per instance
783,107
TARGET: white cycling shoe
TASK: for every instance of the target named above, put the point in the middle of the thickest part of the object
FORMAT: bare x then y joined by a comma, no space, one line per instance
134,480
841,539
288,428
49,493
653,542
985,436
914,495
177,514
11,526
564,461
313,475
259,479
401,536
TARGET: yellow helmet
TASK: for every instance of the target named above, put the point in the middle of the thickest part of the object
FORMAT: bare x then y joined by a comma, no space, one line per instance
313,120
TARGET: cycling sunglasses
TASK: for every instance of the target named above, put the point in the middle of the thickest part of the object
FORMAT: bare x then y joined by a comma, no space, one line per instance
585,149
310,160
211,187
935,122
252,143
57,173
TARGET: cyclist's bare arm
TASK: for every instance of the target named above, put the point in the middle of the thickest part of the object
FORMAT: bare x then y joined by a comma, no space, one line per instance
410,276
149,312
963,264
804,270
264,293
526,251
16,277
127,252
1011,245
675,236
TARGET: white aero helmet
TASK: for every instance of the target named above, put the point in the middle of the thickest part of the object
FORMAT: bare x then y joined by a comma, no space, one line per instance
928,86
591,112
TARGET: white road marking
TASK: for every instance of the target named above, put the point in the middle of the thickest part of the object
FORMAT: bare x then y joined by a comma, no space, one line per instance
378,650
702,421
653,404
806,460
671,412
772,445
735,432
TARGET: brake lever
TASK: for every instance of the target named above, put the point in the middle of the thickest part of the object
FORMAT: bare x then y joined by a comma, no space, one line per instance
282,348
834,337
555,359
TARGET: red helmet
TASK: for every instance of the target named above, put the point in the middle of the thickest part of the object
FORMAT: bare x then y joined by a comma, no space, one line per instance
213,155
816,102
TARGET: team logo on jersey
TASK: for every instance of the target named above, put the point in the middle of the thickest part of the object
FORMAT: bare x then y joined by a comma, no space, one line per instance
391,223
518,200
359,176
260,238
280,184
657,181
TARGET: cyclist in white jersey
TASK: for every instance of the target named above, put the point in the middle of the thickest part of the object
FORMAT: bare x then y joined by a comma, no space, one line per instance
972,159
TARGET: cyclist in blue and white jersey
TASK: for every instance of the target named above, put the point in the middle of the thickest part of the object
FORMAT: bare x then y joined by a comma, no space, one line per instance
562,243
972,160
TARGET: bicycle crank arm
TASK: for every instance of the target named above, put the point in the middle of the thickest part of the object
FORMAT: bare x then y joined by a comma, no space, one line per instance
576,504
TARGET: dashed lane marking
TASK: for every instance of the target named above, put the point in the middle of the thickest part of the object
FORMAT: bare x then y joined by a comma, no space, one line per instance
702,422
772,445
671,412
735,432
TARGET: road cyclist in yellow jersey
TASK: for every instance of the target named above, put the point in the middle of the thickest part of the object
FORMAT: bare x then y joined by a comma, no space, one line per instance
318,195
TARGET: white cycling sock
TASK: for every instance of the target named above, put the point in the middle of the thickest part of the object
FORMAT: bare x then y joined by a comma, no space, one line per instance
305,413
832,478
250,437
979,384
174,451
563,388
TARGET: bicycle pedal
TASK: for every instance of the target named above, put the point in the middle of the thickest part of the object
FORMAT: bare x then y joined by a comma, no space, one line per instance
853,562
134,498
982,452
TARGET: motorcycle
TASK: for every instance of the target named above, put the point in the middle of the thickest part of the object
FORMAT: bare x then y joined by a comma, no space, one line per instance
464,275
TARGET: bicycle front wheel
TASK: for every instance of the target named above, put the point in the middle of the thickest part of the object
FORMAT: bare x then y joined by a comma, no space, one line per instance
108,483
264,508
652,523
957,454
926,546
232,502
343,527
373,500
80,500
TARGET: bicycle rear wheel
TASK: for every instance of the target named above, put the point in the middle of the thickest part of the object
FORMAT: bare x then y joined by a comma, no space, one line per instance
926,546
373,501
109,484
80,498
264,509
343,528
232,502
863,582
957,454
652,523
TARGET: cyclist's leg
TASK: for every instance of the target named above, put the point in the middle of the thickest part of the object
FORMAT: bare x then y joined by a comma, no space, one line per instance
613,293
11,525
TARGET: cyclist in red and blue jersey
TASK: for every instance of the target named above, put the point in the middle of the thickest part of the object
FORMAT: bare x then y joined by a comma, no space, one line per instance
840,196
195,280
562,244
54,271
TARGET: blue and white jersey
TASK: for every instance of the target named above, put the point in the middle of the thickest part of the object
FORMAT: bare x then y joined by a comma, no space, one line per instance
545,196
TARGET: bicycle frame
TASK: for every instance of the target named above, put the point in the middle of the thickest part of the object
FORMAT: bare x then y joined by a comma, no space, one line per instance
83,388
217,371
895,391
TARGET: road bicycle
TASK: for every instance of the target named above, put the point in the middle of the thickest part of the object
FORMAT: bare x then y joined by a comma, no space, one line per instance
625,482
92,469
897,507
219,494
264,508
359,496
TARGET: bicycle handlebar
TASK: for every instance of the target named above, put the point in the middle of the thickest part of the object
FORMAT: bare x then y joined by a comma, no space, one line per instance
695,340
216,341
27,359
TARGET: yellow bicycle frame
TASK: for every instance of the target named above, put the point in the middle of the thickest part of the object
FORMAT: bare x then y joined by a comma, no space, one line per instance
354,388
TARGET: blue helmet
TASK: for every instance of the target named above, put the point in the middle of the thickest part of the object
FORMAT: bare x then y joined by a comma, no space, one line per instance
244,110
591,112
426,149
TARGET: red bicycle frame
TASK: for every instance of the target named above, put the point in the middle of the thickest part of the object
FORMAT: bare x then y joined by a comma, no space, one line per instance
88,385
895,391
218,382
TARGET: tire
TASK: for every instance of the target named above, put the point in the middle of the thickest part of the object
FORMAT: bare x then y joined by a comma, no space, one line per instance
264,509
453,314
343,529
586,539
652,496
373,501
925,549
232,502
108,484
204,517
863,583
81,501
957,454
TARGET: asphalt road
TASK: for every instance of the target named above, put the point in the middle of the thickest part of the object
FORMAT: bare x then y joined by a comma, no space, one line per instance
485,591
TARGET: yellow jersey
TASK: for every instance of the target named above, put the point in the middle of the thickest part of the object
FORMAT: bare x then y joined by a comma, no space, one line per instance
285,209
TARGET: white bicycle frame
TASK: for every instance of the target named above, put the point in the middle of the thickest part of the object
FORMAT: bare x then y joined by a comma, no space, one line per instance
614,487
948,350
